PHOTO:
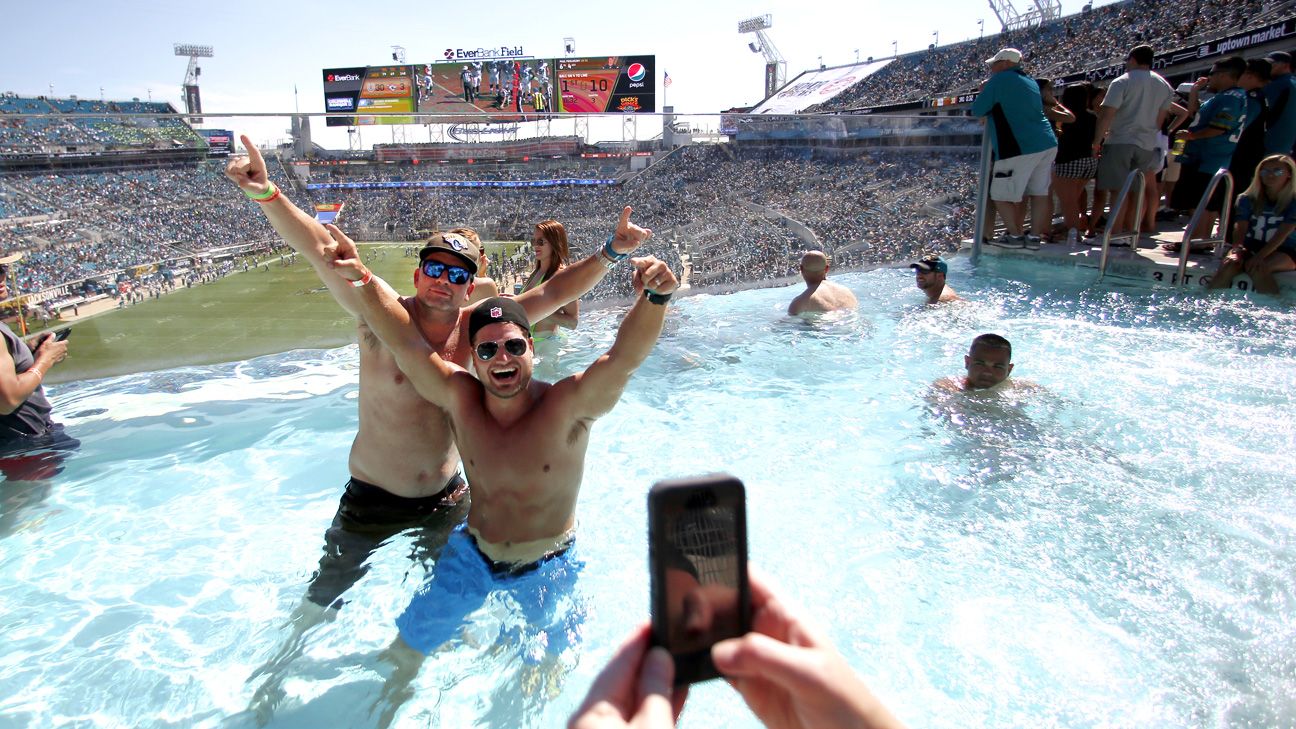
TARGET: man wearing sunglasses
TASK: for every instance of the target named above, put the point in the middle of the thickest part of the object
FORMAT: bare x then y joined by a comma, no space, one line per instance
403,463
522,441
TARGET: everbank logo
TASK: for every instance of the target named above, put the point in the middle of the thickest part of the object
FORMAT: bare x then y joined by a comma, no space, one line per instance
482,54
636,72
339,77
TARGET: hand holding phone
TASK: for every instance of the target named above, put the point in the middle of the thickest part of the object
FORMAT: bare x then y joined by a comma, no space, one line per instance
63,334
697,535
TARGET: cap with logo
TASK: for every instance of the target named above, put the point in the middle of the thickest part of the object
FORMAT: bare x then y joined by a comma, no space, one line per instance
454,244
1012,55
930,264
494,311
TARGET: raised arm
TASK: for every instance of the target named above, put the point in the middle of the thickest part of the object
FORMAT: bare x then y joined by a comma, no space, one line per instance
575,280
599,387
391,322
300,231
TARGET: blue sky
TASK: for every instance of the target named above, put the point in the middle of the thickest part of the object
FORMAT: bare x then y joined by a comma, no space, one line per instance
264,49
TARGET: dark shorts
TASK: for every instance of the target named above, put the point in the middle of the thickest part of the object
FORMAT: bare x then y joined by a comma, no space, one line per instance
1192,185
35,457
368,516
1251,247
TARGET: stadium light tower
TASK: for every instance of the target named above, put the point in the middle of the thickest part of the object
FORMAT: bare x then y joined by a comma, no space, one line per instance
193,102
1043,12
775,66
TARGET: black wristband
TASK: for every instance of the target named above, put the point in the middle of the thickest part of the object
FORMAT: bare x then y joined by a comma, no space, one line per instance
656,298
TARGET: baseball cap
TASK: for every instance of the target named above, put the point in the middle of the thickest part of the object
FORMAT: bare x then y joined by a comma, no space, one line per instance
1280,57
454,244
931,263
495,310
1007,54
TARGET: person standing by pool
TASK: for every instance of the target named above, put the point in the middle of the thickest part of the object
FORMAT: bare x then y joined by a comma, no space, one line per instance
523,514
1264,227
25,421
403,464
551,255
820,294
929,275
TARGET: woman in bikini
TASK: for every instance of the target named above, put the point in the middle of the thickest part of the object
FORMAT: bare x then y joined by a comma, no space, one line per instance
551,255
1264,227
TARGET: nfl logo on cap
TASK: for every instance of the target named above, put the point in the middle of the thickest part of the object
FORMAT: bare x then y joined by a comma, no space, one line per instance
496,312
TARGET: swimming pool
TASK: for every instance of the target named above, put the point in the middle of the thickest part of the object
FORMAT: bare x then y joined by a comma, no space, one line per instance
1117,550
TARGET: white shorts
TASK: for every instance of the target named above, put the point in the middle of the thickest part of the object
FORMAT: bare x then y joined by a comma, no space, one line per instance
1026,174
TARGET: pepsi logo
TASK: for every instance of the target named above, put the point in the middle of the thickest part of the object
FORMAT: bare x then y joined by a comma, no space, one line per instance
636,72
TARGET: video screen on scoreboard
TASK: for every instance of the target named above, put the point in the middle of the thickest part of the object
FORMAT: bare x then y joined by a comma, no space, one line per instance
486,90
219,141
376,89
607,84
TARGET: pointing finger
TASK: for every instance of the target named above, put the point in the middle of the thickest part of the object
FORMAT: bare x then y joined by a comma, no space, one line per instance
624,223
254,154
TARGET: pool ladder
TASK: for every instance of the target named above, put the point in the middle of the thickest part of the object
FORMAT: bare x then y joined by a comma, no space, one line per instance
1133,179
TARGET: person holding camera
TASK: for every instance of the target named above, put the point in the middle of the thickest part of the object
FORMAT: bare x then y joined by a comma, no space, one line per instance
24,410
789,674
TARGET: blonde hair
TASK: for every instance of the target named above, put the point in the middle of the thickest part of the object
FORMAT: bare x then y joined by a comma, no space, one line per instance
1257,193
555,235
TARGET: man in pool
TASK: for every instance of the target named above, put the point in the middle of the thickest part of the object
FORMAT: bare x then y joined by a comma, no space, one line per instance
821,294
522,517
403,463
929,275
988,363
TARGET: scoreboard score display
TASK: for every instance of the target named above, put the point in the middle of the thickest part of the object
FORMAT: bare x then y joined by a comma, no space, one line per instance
490,90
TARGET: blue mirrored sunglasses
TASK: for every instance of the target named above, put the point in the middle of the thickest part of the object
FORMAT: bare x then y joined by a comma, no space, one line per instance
455,274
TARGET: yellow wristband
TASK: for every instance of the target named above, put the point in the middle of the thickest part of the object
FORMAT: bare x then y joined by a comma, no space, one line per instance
269,193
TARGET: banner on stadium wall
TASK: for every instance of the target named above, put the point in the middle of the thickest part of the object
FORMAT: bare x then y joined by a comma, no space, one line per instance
328,212
1255,36
816,87
453,183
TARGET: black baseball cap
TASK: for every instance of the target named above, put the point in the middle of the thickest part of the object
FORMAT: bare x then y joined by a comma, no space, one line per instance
495,310
931,263
1280,57
454,244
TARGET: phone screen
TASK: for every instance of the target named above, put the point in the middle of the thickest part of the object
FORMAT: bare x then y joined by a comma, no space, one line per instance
699,555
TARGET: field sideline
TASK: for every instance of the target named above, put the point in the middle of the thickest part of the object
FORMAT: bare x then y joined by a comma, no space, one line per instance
240,316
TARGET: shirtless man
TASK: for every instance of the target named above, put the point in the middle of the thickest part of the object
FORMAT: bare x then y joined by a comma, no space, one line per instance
404,467
929,274
820,294
522,441
988,363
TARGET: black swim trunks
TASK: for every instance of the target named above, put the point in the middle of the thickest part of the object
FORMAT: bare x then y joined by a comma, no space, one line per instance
369,515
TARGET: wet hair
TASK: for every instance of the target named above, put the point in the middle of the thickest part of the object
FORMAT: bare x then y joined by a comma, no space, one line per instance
1234,66
1076,97
1142,55
991,341
555,235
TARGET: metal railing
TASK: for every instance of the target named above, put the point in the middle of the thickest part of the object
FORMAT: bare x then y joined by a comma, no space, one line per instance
983,196
1137,180
1185,246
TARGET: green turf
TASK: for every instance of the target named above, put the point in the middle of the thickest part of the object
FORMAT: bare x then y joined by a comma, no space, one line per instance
240,316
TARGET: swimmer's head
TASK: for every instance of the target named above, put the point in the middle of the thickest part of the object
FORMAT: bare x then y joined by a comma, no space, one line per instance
500,336
460,246
930,273
988,361
814,266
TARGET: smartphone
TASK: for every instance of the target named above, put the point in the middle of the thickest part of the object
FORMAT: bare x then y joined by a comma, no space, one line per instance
63,334
697,560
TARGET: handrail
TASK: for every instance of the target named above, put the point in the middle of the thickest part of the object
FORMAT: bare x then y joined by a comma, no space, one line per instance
1115,215
983,196
1185,245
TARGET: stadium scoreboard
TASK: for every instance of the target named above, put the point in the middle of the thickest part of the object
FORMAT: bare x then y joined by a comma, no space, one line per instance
490,90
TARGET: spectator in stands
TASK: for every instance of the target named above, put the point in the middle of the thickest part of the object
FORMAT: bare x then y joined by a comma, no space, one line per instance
1075,164
25,421
786,670
929,276
549,244
1264,227
1136,105
1211,140
1251,143
820,294
1024,146
1280,134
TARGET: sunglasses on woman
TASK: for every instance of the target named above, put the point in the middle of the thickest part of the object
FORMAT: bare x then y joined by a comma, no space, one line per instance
454,274
516,346
1272,171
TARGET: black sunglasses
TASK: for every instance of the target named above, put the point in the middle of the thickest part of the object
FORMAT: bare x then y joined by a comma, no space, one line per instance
454,274
516,346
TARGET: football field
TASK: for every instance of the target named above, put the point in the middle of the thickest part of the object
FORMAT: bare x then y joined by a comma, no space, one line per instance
243,315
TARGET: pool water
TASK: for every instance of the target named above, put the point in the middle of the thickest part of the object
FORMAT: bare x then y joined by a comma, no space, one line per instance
1117,549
